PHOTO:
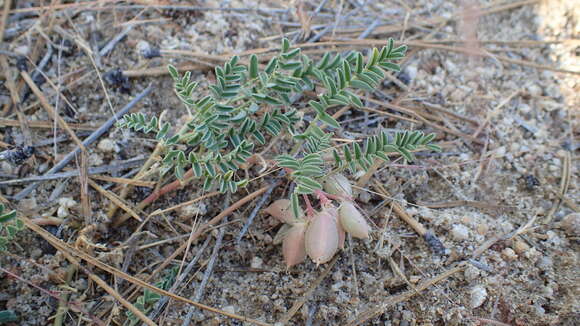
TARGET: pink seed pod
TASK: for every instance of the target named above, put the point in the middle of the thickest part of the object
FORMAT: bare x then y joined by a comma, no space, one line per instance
341,234
322,237
281,210
337,184
293,246
352,221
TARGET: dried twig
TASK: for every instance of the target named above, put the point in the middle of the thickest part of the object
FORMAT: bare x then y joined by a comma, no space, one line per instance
44,125
184,274
202,229
7,4
70,253
393,300
118,201
75,173
564,184
208,271
431,239
255,211
89,140
302,300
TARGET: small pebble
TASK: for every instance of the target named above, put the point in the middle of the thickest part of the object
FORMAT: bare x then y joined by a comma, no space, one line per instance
478,296
520,247
571,224
62,212
257,262
36,253
95,160
460,232
509,254
106,145
230,309
28,203
482,229
534,90
67,202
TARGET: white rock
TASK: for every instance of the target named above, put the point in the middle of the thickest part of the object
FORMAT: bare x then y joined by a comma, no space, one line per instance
28,203
62,212
509,254
230,309
22,50
571,224
95,160
6,167
143,47
106,145
460,232
478,296
67,202
412,71
534,90
257,262
520,247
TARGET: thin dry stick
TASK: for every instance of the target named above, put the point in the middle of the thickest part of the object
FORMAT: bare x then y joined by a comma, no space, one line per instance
434,243
50,110
393,300
400,211
115,199
422,119
111,291
84,188
63,302
172,208
564,184
74,173
148,184
89,140
7,4
207,274
186,272
302,300
155,195
202,229
75,304
127,188
22,122
70,251
161,71
458,203
44,125
495,111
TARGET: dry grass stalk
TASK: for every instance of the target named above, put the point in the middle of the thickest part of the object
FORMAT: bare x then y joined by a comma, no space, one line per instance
115,199
300,302
50,110
202,229
5,12
564,185
400,211
393,300
84,188
139,183
44,125
71,253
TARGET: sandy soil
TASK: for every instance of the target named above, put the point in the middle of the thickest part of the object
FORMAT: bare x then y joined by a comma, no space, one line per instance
496,201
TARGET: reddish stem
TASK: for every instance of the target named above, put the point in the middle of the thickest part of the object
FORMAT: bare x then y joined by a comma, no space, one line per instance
325,197
309,209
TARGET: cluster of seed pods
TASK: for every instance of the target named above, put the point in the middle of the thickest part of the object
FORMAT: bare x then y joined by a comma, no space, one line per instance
319,235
